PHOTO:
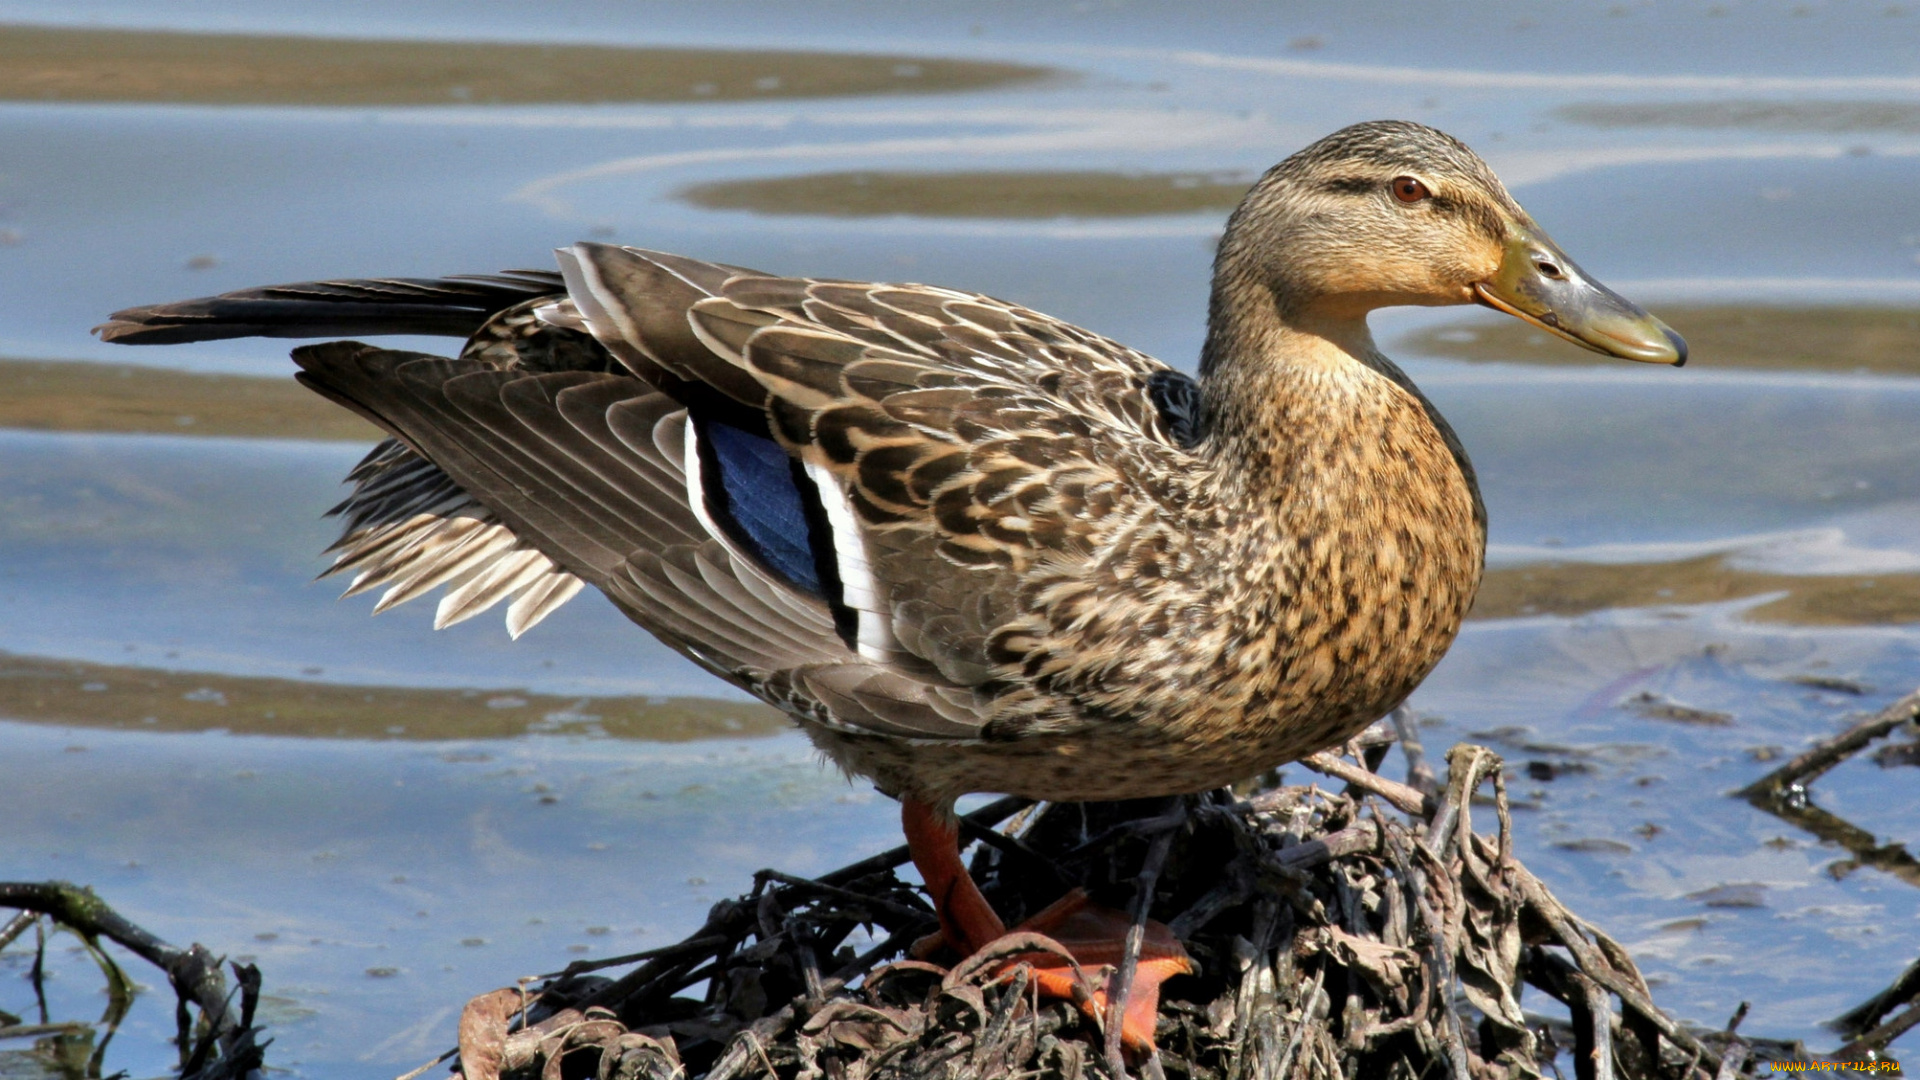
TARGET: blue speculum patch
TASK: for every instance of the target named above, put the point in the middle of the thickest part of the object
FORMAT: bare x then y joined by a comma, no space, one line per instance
755,486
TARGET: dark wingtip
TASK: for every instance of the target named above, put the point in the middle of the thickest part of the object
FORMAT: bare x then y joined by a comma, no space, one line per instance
135,327
122,327
1679,346
453,307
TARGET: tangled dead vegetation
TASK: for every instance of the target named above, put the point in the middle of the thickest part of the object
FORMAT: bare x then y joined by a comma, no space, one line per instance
1335,937
1368,932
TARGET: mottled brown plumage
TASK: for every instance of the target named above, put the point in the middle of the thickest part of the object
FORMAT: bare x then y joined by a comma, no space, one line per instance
1053,565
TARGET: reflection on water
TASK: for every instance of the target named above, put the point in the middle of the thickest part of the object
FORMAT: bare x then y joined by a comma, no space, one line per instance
1005,195
1767,337
60,1055
1694,572
48,64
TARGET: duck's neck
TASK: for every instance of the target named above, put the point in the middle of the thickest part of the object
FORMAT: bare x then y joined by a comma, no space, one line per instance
1269,367
1274,371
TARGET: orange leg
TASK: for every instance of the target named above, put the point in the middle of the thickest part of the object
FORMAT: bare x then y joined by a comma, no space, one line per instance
1096,936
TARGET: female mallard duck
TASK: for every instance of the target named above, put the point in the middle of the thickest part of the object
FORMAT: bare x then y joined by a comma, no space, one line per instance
966,546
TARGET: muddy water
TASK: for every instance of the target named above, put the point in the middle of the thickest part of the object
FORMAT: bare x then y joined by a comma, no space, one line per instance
1693,572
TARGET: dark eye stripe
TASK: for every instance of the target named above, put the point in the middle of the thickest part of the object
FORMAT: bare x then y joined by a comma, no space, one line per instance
1351,185
1482,215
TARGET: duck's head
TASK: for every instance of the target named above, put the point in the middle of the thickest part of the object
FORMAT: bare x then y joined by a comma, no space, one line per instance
1391,212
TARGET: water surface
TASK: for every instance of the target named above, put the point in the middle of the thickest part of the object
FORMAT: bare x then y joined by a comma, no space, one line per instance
1692,572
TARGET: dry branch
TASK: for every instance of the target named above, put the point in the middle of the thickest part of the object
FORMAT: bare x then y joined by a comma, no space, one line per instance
1784,794
1789,781
223,1044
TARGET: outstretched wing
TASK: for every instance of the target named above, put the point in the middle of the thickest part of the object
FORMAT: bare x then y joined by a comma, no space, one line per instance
589,469
878,506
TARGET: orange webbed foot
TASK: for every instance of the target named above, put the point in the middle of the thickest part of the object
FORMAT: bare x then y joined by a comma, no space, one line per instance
1095,937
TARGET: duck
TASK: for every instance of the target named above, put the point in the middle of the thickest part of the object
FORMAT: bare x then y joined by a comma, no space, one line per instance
967,547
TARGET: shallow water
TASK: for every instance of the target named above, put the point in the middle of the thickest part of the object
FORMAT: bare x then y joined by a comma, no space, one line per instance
1692,571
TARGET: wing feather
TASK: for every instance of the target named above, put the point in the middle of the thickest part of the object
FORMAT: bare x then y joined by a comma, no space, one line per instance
541,599
505,576
580,477
400,522
972,459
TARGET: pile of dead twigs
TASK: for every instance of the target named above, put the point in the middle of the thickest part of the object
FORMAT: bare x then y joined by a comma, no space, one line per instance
1335,937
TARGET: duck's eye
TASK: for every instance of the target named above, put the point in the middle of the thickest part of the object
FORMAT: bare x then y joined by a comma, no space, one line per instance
1409,190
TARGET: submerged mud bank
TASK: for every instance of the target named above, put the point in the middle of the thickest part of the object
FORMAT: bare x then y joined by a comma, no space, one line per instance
74,64
85,695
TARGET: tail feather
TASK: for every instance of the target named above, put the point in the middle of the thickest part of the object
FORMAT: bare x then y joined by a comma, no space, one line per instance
409,527
452,306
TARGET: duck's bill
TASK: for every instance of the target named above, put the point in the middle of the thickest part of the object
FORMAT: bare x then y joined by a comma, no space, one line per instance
1538,283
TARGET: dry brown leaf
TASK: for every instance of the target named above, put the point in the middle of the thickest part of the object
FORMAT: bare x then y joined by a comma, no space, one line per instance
483,1031
1386,966
863,1027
